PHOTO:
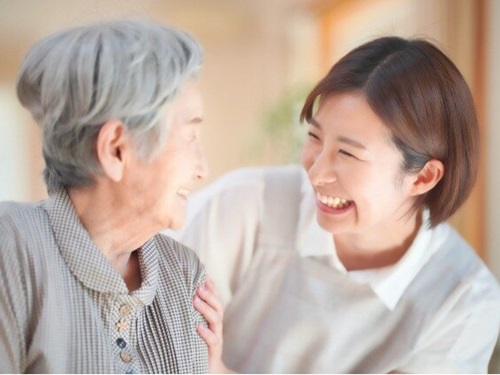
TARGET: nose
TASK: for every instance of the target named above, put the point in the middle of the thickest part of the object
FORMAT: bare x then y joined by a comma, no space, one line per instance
202,170
322,171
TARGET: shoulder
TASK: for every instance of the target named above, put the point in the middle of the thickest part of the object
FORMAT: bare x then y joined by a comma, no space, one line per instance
243,188
20,217
21,255
24,227
234,197
179,258
457,294
20,225
174,250
24,237
250,178
471,282
452,270
239,180
460,255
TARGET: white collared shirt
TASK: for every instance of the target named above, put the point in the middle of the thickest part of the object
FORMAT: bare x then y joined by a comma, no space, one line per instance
291,306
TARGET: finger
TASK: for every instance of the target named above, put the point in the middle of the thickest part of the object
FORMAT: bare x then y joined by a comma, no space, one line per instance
210,298
213,318
206,334
211,285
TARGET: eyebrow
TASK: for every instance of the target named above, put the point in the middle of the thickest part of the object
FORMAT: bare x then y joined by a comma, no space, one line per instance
196,120
340,138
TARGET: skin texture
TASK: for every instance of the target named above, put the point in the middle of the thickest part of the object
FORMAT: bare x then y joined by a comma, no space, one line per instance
135,198
177,167
349,154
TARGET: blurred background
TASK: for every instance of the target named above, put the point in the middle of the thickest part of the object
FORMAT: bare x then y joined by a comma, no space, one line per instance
261,58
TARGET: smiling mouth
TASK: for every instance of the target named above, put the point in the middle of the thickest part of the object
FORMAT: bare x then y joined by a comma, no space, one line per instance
333,202
183,192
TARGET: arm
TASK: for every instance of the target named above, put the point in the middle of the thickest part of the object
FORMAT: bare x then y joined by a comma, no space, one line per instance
11,342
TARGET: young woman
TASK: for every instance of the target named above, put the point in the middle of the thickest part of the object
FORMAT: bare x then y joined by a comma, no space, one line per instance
348,265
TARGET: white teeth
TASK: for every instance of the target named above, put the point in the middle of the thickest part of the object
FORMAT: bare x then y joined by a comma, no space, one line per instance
183,192
334,202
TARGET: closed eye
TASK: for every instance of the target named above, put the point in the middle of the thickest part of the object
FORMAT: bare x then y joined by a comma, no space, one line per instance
348,154
312,135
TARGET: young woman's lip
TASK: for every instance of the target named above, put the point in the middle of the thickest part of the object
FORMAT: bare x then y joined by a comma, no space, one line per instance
333,199
331,210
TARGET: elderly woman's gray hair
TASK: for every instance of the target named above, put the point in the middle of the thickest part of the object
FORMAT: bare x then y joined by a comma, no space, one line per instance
74,81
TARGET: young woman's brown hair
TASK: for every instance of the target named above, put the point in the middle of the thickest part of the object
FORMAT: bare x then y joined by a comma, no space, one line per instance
424,100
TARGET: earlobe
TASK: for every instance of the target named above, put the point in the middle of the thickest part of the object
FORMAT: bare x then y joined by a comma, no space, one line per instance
110,146
428,177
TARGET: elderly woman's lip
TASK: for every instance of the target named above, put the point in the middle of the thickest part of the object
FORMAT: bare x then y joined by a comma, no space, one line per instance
183,192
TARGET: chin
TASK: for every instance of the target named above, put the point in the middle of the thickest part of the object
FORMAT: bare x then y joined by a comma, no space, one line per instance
176,224
329,226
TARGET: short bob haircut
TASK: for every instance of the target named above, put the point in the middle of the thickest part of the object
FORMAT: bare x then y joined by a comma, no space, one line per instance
77,79
425,102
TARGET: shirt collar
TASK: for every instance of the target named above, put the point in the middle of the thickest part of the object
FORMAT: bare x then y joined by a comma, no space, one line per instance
388,283
87,262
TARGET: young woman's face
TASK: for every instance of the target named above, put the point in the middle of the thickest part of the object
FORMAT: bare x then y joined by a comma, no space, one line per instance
354,168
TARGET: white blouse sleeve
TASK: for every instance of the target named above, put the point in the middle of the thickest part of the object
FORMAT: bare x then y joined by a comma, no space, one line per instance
222,224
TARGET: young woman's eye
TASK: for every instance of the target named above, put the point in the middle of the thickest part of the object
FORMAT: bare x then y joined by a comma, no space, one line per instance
343,152
312,135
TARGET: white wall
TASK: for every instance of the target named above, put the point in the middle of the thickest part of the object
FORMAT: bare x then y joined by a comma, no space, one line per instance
14,167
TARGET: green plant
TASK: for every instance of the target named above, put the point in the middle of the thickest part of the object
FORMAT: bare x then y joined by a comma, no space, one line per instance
281,126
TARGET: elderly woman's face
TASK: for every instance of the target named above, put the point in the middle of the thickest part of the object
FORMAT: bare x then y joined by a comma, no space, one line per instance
163,184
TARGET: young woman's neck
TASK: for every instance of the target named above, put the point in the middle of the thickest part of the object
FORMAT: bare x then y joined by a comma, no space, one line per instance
361,251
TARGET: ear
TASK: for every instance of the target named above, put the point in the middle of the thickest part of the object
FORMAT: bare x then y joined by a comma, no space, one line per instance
427,177
111,143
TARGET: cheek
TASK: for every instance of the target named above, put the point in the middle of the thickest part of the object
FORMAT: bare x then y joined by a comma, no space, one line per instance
307,158
376,187
183,166
187,159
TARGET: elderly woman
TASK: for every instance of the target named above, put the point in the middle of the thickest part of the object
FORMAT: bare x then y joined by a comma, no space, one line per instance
86,282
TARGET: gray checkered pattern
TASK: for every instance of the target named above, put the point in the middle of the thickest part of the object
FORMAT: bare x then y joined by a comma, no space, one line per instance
63,308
